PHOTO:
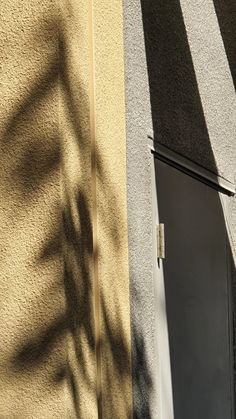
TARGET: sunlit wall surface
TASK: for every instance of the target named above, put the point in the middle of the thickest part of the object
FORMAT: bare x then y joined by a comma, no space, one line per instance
65,319
85,87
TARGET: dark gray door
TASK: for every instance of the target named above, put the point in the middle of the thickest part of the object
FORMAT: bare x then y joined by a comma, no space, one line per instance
197,295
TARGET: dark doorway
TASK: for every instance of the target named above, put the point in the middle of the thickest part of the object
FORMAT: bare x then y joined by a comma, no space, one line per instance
197,291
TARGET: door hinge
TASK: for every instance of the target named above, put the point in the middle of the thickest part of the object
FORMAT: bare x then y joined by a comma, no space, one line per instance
160,233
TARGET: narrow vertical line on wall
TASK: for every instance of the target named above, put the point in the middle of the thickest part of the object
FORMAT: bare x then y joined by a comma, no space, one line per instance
96,290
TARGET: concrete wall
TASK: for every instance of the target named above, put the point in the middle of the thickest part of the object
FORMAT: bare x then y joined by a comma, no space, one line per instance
139,199
191,85
180,74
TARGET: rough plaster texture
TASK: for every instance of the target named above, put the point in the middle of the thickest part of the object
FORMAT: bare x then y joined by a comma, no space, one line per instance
139,161
32,296
179,90
112,209
192,93
103,50
48,363
74,119
215,83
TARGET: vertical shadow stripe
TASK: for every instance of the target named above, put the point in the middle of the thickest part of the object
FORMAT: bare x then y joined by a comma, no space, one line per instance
213,74
226,14
178,117
94,209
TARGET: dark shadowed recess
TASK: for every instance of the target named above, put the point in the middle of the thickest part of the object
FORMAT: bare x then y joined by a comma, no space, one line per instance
177,113
226,14
197,295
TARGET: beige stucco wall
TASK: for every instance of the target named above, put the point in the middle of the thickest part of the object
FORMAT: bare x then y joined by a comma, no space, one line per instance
111,208
32,302
62,97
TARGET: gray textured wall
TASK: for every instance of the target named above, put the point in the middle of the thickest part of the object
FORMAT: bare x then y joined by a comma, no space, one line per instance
139,125
191,87
180,74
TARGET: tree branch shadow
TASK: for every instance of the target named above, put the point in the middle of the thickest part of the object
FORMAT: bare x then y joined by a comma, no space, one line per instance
30,171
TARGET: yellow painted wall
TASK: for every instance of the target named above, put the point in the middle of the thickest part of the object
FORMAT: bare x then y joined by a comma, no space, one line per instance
111,205
32,304
59,102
